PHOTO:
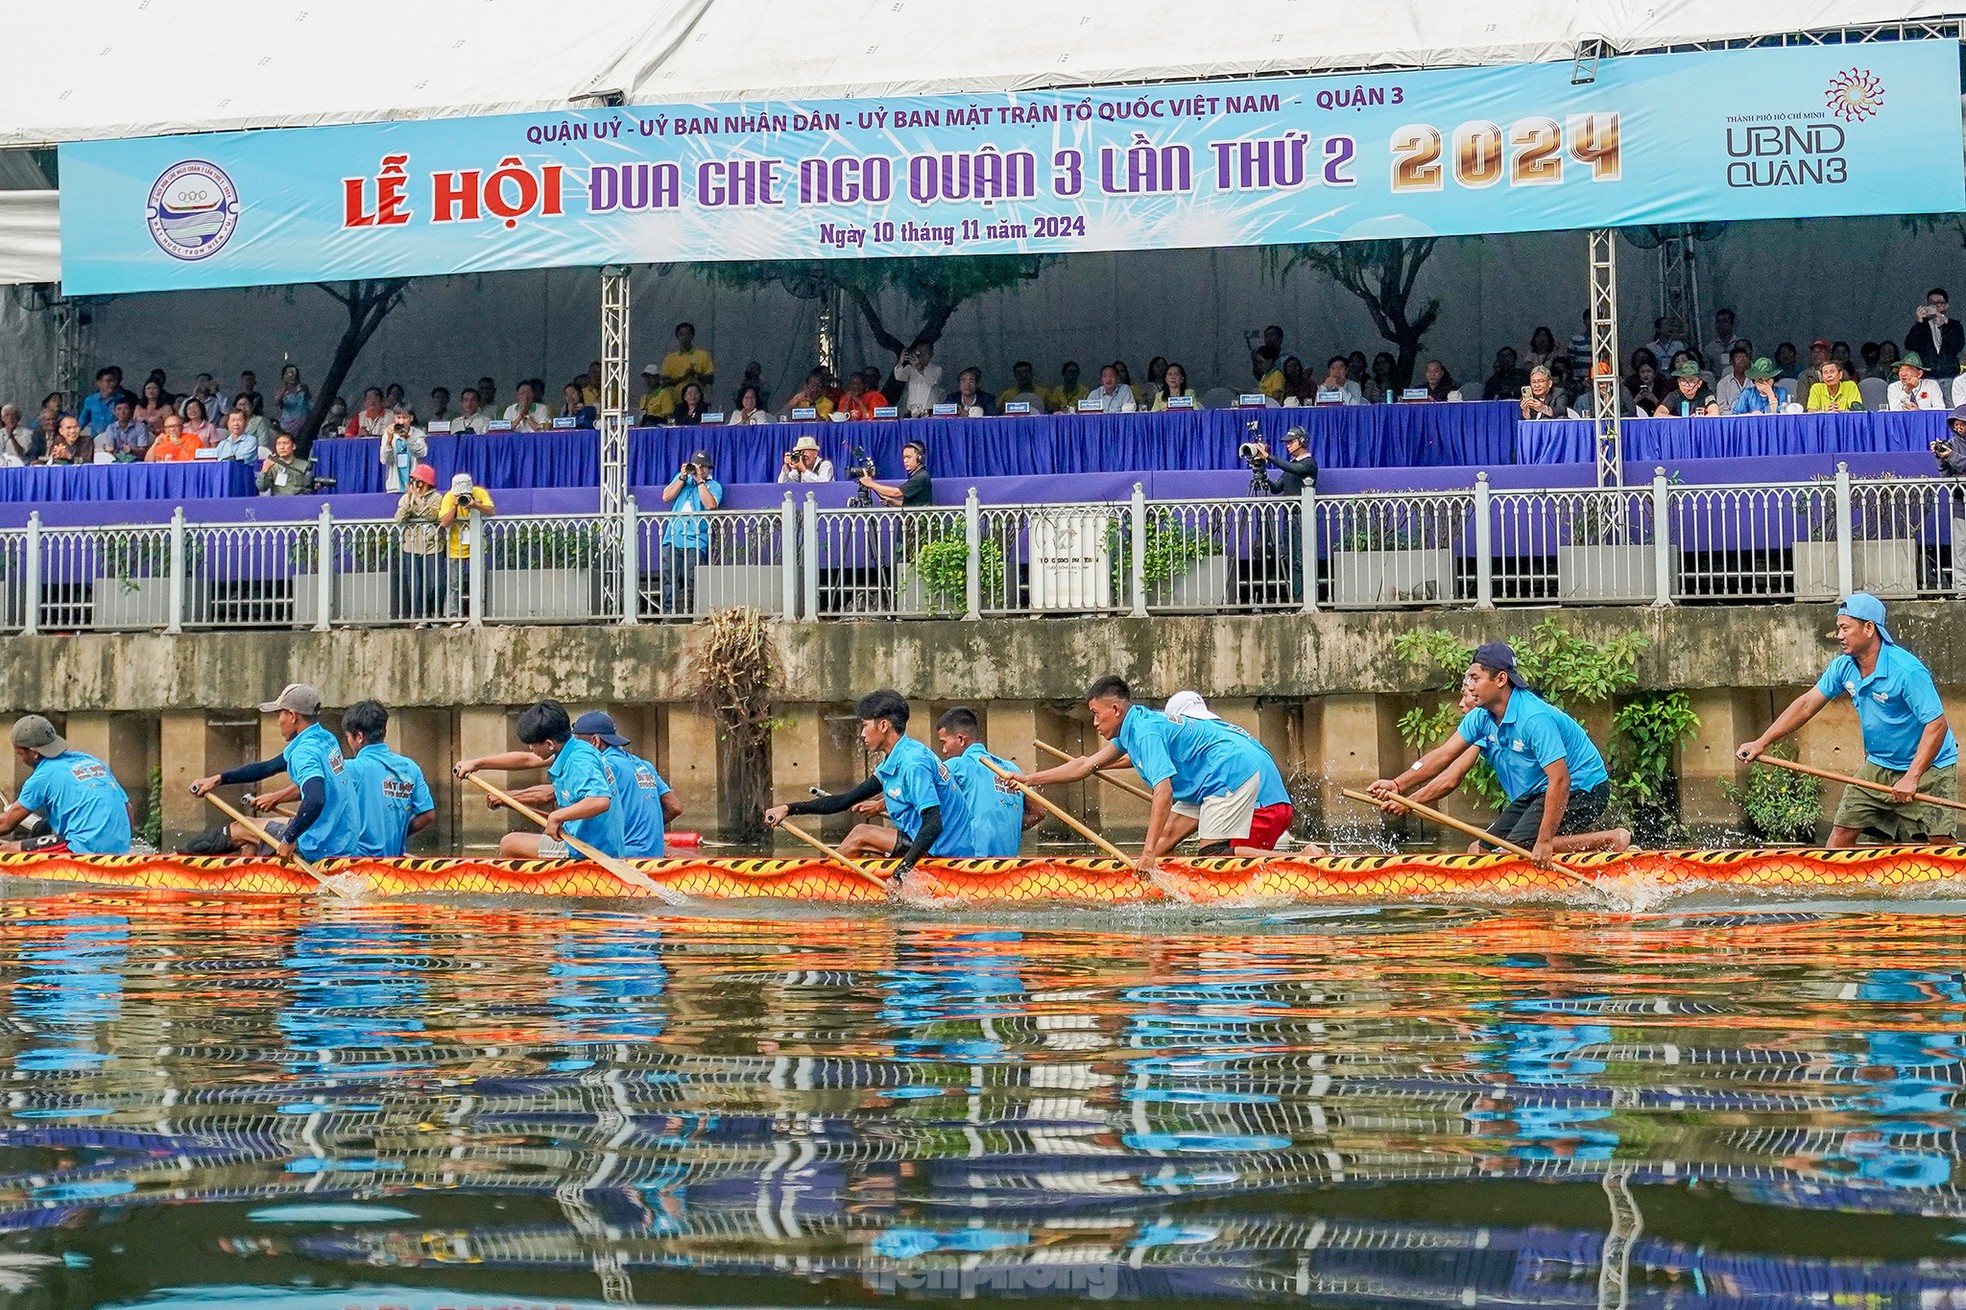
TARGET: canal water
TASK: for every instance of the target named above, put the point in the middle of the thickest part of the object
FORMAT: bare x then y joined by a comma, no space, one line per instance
420,1106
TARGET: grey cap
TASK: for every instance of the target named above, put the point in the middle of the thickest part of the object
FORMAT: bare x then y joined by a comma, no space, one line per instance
298,697
34,733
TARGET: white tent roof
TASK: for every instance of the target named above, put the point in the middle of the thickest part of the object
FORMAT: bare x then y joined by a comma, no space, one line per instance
135,68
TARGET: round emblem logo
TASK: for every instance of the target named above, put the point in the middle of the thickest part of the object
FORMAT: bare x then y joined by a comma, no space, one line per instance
193,209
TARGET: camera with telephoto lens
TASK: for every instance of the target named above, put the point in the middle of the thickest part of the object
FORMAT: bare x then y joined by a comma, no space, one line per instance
859,464
1254,452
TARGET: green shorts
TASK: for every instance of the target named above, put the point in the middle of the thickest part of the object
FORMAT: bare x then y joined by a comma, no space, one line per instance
1872,811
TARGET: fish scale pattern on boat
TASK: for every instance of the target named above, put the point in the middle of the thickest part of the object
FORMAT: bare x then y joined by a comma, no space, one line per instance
1281,879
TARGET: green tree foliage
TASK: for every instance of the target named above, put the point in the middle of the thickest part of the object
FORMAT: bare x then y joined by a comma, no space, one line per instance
933,289
1382,275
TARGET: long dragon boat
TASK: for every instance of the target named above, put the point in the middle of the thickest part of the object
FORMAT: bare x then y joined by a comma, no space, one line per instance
1634,877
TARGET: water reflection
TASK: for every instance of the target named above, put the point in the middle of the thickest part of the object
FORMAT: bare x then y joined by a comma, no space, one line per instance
409,1105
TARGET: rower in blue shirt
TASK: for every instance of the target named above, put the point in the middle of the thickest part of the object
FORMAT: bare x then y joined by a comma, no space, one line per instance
1208,778
1907,742
579,796
1553,776
998,812
391,795
326,826
86,809
646,802
929,811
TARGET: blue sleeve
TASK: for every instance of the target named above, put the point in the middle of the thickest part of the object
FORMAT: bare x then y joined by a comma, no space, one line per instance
256,771
33,794
420,799
1545,739
313,798
1147,748
662,787
1831,683
1472,727
1740,405
717,490
1920,695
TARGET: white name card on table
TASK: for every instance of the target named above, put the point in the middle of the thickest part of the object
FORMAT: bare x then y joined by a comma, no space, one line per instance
805,411
1330,397
1413,393
437,427
1181,402
205,452
566,423
499,425
1017,407
887,411
713,416
1252,400
1091,405
947,409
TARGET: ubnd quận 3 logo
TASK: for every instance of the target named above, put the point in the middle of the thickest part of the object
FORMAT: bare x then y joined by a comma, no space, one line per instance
193,210
1854,95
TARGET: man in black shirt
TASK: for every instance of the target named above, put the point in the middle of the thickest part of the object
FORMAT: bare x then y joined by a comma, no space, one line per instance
916,490
1507,381
1690,397
1293,475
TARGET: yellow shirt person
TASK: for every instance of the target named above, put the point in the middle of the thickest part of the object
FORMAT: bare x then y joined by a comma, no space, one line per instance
455,510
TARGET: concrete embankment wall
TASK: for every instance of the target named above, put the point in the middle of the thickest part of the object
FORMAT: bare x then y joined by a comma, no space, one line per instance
1324,691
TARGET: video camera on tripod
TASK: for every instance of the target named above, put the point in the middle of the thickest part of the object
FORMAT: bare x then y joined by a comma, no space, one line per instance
1255,453
859,464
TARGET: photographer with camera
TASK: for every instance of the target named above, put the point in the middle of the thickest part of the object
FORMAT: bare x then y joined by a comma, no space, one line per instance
1293,475
803,462
916,490
1950,450
402,447
686,536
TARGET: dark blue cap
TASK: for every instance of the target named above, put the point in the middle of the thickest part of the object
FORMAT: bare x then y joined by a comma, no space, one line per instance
596,724
1497,655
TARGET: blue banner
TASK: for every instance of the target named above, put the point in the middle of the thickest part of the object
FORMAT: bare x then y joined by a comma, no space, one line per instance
1780,133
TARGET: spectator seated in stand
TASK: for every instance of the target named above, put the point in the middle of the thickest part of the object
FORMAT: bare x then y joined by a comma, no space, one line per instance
1065,397
1380,388
1761,395
968,397
1690,396
858,403
1508,380
238,443
749,410
69,446
574,405
440,407
1114,396
285,473
1834,393
371,419
689,410
1023,387
1541,399
1338,378
1148,392
753,377
1441,386
472,417
656,399
1734,381
1913,390
99,406
1542,349
20,445
1267,373
197,422
1299,387
126,439
173,443
812,396
529,413
153,405
1174,383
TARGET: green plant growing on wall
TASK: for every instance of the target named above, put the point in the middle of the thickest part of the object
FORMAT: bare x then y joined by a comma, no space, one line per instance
546,545
1780,806
943,565
1572,674
1172,549
153,815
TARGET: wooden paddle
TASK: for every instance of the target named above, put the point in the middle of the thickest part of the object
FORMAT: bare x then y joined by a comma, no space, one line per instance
620,868
1449,821
1056,812
1100,774
1827,776
834,855
267,839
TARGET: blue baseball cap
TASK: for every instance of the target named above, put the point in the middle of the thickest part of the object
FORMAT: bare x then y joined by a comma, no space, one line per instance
596,724
1866,608
1500,656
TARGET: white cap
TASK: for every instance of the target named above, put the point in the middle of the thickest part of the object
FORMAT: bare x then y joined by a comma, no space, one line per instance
1188,705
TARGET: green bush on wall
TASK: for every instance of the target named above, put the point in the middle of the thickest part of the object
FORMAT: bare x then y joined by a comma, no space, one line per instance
943,565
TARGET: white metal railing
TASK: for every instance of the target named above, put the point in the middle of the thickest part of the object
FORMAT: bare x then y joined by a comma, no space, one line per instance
1653,544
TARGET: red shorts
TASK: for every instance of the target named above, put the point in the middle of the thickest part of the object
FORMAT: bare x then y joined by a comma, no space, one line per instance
1268,824
42,846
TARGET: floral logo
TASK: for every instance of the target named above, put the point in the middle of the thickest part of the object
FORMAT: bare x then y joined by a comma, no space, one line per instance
1854,95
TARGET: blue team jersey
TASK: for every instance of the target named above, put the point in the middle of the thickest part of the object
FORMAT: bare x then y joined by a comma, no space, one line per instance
1532,735
914,780
389,791
314,753
996,809
638,793
1893,706
1201,757
578,773
82,801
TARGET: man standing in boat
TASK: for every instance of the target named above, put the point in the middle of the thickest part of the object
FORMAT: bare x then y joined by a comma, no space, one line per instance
1554,778
87,810
328,824
1907,743
1208,779
998,812
928,809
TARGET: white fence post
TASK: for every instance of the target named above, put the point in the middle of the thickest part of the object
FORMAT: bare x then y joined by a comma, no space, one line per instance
1661,540
1846,551
31,601
174,621
1484,544
1138,578
809,548
475,534
973,555
788,556
1307,546
631,563
323,568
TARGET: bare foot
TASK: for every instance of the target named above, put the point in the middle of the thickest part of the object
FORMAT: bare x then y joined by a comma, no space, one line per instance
1622,840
